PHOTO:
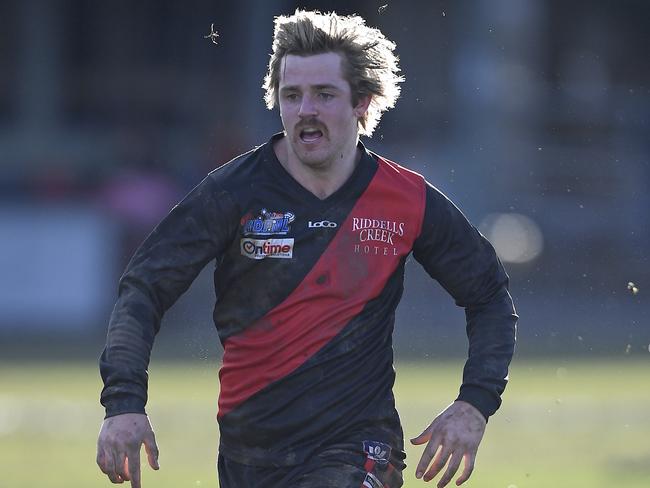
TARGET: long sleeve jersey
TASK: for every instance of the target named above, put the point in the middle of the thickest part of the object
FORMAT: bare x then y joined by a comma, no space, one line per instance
306,292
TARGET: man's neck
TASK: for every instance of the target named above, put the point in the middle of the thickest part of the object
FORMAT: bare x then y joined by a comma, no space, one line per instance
322,181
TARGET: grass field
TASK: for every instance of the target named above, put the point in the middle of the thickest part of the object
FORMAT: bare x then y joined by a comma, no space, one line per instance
563,424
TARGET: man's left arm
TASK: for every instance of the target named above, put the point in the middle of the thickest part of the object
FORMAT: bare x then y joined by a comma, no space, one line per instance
454,253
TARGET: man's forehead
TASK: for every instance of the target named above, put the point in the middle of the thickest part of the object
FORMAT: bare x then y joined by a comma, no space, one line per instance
316,69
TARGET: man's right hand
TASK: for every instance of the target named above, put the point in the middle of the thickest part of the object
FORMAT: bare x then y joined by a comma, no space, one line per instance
118,447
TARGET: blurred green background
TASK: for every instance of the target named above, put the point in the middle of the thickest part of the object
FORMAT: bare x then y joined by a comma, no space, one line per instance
564,423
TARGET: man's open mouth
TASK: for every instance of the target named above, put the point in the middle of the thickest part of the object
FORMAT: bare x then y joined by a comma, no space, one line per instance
310,135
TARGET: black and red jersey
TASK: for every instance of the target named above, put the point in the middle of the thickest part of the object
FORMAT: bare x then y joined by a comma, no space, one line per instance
306,292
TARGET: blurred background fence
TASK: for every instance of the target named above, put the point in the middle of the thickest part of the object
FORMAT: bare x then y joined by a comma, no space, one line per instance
532,115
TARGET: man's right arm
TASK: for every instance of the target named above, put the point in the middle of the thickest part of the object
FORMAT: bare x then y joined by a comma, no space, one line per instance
196,231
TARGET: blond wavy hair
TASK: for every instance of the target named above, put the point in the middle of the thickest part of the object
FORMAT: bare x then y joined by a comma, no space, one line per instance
369,64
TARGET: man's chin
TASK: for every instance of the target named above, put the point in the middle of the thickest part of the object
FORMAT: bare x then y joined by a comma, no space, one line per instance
312,160
310,155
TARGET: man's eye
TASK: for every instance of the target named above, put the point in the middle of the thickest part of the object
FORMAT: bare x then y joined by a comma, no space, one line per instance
291,96
325,96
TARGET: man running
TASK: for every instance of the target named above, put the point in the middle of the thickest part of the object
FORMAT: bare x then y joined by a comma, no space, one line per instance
310,233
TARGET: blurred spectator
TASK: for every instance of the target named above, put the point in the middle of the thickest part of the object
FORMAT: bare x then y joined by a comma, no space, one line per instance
140,192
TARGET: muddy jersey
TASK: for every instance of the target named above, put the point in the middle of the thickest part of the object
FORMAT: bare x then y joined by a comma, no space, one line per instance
306,292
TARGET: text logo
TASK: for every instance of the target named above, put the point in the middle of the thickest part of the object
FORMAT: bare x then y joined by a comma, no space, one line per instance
267,248
269,223
377,230
322,223
377,236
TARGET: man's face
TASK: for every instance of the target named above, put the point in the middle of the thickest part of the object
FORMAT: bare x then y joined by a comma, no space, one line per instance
316,108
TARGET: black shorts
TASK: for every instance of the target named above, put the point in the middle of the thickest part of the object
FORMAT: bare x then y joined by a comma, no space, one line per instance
370,466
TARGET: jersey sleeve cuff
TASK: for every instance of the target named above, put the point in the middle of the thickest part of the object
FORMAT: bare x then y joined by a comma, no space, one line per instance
479,398
123,404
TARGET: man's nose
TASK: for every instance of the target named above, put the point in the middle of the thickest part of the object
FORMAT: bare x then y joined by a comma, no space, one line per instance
307,107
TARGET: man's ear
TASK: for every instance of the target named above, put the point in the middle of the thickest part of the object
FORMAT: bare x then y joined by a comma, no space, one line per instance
362,105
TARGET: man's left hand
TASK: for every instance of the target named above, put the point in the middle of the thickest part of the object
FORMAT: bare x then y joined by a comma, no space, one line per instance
453,435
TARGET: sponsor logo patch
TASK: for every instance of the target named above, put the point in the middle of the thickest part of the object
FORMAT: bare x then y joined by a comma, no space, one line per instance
268,223
267,248
377,451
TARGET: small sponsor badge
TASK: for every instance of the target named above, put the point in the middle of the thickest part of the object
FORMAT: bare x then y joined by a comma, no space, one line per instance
371,481
268,223
267,248
377,451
